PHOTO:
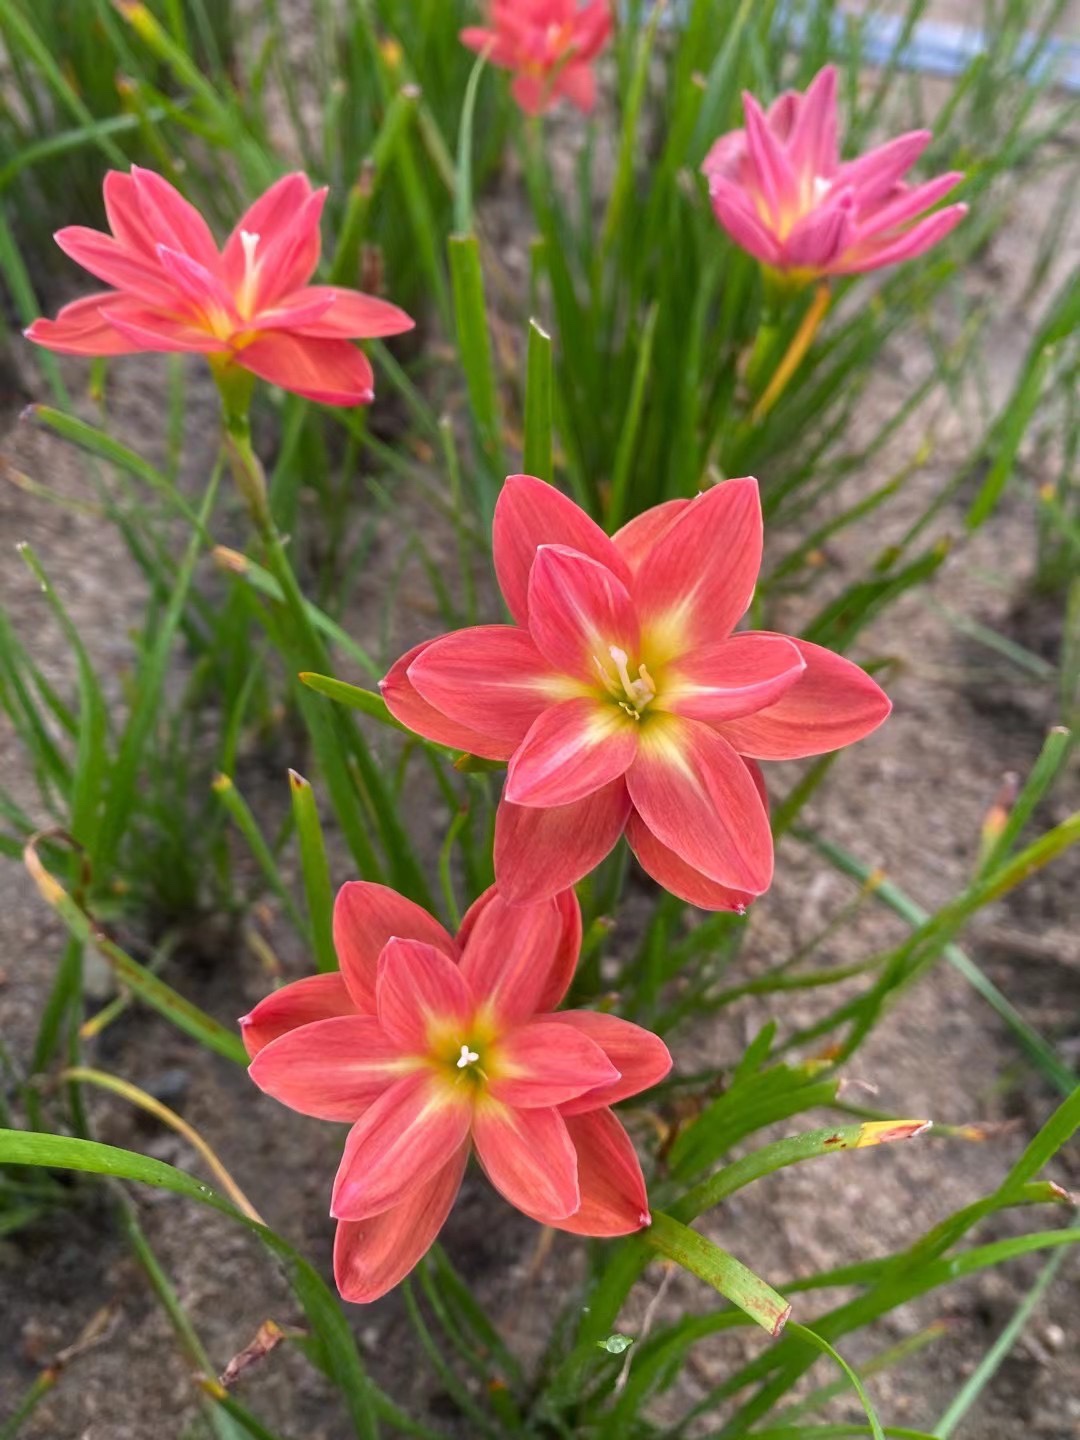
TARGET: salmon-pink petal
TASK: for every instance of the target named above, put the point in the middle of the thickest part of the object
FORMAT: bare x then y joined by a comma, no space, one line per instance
486,41
545,1063
694,793
286,257
533,93
196,284
676,876
614,1200
491,678
833,704
572,750
812,147
640,1057
366,917
914,242
540,852
419,989
875,173
697,581
172,220
117,265
331,1069
82,329
332,372
734,677
371,1256
271,212
567,949
301,311
408,706
577,83
402,1139
125,218
529,1158
578,611
316,997
148,329
349,314
530,513
638,536
517,956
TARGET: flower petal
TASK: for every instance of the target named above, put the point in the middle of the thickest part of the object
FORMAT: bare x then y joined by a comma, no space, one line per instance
640,1057
695,794
572,750
82,329
578,611
407,705
287,255
735,212
352,315
406,1136
420,991
333,372
697,581
371,1256
529,1158
114,263
539,852
737,676
676,876
875,173
812,147
912,243
125,218
530,513
833,704
316,997
517,956
638,536
577,83
366,917
567,949
614,1200
331,1069
172,220
545,1063
148,329
770,162
490,678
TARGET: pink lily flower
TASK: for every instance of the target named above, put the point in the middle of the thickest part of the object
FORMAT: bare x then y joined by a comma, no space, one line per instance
622,700
248,305
432,1048
782,193
551,44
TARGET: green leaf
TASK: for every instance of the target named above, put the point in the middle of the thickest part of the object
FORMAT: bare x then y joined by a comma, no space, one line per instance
538,406
474,343
370,702
720,1270
315,870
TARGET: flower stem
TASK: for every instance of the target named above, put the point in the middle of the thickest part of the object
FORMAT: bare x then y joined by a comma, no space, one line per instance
795,353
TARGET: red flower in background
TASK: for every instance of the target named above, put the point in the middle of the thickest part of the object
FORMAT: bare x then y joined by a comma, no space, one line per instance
432,1048
622,699
248,305
781,192
550,44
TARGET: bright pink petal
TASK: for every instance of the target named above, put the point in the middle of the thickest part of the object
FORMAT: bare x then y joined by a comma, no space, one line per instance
676,876
332,372
905,206
812,147
286,257
316,997
331,1069
694,793
818,241
533,93
540,852
125,218
567,948
517,956
572,750
697,581
577,83
638,536
834,704
149,329
172,220
196,284
529,1158
268,216
578,611
916,241
491,679
408,706
875,173
769,159
405,1137
81,329
614,1200
641,1058
737,676
530,513
114,263
366,917
371,1256
420,988
734,211
545,1063
351,315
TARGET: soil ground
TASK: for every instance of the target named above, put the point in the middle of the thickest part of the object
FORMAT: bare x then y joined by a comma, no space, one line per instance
911,799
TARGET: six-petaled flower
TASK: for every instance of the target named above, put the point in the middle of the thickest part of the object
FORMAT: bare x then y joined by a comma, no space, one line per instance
549,44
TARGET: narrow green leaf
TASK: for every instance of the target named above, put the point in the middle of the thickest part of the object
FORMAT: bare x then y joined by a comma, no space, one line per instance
315,870
474,343
538,406
369,702
720,1270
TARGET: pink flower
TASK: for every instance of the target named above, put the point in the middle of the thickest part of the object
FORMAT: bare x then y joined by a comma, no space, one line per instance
781,192
622,700
248,305
551,44
431,1048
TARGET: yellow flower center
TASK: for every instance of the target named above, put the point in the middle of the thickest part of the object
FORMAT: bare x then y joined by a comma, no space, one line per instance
632,694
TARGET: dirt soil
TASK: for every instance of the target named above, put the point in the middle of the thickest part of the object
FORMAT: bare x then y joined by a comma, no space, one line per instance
911,799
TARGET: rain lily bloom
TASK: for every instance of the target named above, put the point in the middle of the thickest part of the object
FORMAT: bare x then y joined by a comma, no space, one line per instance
551,45
248,306
623,701
781,191
432,1048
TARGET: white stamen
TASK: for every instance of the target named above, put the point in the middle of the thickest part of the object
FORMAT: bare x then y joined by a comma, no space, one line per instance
639,692
249,239
821,188
467,1057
